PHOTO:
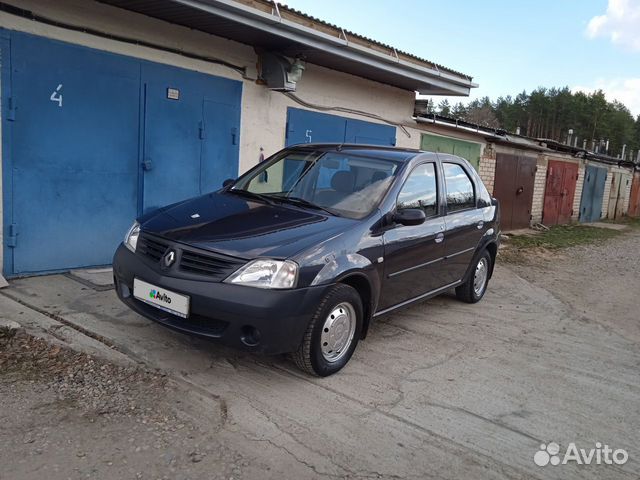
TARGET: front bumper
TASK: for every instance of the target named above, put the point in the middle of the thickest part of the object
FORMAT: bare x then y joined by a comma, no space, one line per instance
248,318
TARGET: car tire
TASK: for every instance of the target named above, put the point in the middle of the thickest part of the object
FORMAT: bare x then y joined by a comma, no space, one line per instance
332,334
474,288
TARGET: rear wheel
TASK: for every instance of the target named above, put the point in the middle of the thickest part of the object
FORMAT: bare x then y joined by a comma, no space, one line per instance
474,288
332,334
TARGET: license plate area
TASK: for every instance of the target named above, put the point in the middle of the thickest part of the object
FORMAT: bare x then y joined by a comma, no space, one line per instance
167,300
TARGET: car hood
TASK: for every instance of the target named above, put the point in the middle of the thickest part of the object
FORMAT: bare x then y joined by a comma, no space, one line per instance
242,227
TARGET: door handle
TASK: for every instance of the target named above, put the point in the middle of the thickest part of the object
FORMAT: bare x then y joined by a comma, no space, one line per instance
147,165
439,238
479,225
519,190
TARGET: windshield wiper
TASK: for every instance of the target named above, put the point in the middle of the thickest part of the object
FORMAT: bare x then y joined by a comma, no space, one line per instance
307,203
247,193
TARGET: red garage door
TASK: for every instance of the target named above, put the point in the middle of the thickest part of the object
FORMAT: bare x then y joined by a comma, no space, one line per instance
559,192
634,200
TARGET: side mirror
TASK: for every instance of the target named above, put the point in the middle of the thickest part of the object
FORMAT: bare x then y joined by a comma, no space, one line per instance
228,182
410,216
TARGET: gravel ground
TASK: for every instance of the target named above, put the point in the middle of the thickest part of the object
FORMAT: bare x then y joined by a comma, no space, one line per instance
68,415
439,390
599,280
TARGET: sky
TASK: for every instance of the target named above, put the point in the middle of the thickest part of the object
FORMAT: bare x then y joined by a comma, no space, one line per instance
507,46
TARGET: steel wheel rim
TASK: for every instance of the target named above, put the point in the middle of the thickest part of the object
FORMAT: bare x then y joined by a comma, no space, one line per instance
337,332
480,276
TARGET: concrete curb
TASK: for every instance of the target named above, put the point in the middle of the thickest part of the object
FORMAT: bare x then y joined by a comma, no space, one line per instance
43,326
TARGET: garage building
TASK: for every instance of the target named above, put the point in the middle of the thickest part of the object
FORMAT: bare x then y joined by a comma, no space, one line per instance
113,108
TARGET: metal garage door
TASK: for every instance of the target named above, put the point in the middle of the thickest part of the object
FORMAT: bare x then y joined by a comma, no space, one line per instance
514,181
305,126
634,200
619,183
82,127
191,127
436,143
595,179
559,191
74,188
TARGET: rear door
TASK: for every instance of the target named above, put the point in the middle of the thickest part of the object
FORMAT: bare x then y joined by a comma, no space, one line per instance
464,222
414,254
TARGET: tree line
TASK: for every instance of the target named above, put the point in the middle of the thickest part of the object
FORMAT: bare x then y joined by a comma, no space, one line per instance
557,114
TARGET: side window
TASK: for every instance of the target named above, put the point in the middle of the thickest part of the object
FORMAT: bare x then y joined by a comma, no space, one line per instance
420,190
459,187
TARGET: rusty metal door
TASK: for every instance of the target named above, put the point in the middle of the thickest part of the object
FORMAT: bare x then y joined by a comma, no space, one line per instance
559,191
514,180
634,200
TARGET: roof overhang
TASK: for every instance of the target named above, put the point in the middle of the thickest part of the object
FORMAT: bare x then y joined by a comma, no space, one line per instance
268,30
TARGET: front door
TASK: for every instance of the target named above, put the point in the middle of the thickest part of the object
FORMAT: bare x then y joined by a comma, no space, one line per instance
414,254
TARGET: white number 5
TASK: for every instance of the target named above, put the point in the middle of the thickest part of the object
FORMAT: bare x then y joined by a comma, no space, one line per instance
56,96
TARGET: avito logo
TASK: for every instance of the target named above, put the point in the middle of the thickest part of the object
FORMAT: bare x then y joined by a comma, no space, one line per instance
163,297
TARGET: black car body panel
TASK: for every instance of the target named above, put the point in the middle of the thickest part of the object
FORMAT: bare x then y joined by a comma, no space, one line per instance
390,265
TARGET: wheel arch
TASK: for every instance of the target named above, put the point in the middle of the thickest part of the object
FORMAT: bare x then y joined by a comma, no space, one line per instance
361,283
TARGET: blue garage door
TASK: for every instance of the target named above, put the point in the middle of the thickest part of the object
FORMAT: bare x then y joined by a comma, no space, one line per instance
191,133
93,139
595,179
305,126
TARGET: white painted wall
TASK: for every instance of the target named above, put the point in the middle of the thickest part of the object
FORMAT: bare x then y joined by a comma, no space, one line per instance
263,114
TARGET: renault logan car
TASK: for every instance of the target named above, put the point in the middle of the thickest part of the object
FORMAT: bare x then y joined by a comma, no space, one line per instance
304,251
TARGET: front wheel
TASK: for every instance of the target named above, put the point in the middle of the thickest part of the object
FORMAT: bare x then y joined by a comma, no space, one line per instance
473,289
332,334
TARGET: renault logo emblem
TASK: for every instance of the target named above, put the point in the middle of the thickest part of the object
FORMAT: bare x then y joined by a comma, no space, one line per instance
169,258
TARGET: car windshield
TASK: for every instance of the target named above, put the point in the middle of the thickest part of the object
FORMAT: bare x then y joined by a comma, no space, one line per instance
341,183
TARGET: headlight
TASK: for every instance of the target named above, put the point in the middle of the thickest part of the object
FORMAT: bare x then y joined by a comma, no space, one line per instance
266,274
131,238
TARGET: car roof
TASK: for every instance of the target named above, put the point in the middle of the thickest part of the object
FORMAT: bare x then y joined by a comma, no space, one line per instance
376,151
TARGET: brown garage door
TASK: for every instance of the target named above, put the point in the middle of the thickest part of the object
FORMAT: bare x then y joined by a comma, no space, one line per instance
634,200
559,192
515,175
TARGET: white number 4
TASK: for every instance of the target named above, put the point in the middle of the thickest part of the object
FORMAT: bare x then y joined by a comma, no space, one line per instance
56,96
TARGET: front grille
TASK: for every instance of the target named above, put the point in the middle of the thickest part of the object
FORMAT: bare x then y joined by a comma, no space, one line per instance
150,247
192,262
209,264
